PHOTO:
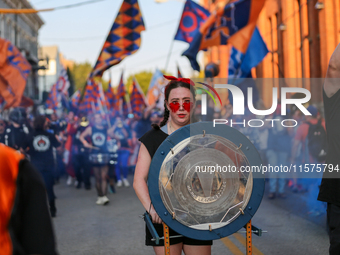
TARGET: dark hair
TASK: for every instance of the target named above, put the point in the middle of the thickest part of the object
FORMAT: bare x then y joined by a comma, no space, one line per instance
39,122
170,86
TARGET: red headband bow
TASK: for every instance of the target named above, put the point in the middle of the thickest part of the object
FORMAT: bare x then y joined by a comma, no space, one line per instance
185,80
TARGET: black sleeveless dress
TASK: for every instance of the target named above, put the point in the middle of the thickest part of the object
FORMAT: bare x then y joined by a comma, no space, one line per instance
152,140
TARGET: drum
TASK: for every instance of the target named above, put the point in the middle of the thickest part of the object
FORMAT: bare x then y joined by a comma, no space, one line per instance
200,183
113,159
112,148
99,158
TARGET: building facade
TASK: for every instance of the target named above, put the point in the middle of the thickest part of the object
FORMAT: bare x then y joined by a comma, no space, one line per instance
300,35
22,31
48,76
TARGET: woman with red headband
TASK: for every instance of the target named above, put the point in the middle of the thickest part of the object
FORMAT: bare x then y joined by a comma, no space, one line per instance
179,106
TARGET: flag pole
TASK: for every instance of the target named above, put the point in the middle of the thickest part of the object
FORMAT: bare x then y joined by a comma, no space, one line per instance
169,54
106,111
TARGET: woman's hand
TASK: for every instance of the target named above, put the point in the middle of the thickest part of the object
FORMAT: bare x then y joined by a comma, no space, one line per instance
154,216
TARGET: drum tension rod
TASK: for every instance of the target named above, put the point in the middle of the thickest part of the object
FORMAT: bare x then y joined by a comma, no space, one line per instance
203,133
210,228
172,151
239,147
173,215
242,212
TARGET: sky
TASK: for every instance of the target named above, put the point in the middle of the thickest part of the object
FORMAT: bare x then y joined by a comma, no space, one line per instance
80,33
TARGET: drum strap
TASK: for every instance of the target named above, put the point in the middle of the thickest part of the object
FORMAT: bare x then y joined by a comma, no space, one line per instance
166,239
165,129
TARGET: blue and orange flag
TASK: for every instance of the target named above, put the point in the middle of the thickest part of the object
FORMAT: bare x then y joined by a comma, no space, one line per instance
122,105
192,18
137,99
124,38
111,100
90,102
74,100
53,98
14,71
240,64
155,89
234,24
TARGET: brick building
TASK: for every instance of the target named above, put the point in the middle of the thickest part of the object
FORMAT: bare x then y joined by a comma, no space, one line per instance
300,35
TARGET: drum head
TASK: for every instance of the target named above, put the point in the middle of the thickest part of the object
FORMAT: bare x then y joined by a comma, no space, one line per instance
199,183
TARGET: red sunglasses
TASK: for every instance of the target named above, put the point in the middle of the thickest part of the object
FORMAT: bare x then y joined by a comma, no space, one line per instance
174,106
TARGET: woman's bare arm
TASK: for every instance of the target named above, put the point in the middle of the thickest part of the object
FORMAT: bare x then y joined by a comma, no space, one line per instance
86,132
140,182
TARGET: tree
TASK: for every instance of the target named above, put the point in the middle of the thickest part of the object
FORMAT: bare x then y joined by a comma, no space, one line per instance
143,78
70,78
80,73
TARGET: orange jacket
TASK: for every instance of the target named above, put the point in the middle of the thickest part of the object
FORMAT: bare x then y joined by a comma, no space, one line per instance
9,162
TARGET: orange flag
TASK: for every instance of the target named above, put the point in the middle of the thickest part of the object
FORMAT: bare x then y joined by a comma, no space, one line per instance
14,70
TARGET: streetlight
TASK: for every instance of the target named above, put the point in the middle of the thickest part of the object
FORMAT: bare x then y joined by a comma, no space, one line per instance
319,5
282,27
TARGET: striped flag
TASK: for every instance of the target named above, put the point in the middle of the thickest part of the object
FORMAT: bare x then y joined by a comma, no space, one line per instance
75,99
137,99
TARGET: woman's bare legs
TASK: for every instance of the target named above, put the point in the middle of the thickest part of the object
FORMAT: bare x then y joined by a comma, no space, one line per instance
100,176
175,249
197,249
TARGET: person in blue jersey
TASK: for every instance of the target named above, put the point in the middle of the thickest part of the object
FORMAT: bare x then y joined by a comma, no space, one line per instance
99,155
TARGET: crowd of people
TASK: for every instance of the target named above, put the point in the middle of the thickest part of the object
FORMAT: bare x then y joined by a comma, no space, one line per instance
303,141
79,146
107,146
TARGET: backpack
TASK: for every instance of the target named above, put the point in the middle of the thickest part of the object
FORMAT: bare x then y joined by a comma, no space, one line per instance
317,141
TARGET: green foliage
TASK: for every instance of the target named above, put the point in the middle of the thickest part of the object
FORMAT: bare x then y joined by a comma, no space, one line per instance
79,73
143,78
105,84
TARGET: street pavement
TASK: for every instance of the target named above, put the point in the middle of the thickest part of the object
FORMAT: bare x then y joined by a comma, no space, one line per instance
84,228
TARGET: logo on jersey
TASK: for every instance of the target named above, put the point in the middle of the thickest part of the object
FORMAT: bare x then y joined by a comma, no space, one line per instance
98,139
41,143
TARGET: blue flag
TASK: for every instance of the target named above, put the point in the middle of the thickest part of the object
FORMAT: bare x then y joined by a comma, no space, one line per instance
235,25
241,64
245,83
192,17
